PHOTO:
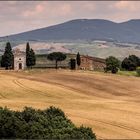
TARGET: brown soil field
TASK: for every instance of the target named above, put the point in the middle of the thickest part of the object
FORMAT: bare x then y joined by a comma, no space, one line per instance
110,104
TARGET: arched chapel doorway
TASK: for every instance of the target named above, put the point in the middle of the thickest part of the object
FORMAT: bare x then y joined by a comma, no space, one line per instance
20,66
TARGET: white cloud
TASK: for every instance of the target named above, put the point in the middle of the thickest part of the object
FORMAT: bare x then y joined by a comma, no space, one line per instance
25,15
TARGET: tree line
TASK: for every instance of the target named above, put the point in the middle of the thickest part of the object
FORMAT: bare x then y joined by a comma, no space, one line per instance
59,56
113,64
7,59
130,63
50,123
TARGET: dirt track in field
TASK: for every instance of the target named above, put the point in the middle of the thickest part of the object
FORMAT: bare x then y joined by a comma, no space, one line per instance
110,104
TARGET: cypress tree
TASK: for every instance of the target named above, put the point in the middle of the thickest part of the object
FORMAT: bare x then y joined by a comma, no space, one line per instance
33,58
8,57
30,56
72,64
78,59
2,61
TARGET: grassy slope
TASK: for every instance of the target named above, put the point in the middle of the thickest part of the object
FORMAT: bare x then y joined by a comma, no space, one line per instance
107,103
103,51
90,48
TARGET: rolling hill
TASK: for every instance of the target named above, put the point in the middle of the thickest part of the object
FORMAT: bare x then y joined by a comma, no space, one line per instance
85,29
96,48
107,103
95,37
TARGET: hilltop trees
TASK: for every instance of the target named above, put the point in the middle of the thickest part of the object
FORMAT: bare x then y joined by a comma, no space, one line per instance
56,56
8,57
50,123
135,59
78,59
112,64
30,56
130,63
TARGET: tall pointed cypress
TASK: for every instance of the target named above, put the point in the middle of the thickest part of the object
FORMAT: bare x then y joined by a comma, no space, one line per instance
33,58
78,59
8,57
30,56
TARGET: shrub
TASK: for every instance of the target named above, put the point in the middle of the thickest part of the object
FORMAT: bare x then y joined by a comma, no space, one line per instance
114,70
40,124
112,64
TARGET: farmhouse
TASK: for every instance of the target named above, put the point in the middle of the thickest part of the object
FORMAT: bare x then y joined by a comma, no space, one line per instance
19,59
87,62
92,63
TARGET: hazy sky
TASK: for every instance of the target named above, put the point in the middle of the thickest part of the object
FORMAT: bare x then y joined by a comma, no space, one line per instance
16,17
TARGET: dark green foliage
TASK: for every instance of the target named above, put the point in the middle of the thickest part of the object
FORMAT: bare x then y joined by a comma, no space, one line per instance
112,64
114,70
72,64
2,61
134,59
130,63
56,56
78,59
7,60
40,124
33,57
30,56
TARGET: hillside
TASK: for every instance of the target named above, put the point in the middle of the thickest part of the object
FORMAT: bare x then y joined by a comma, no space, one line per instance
100,49
94,48
107,103
84,29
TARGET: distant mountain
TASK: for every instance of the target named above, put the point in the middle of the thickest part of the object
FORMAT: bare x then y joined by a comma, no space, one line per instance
85,29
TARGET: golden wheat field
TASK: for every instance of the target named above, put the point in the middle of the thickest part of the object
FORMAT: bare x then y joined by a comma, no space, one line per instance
110,104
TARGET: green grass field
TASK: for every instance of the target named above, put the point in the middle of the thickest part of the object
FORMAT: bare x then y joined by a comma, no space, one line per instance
127,73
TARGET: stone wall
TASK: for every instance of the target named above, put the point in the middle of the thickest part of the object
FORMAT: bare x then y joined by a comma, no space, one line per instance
92,63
